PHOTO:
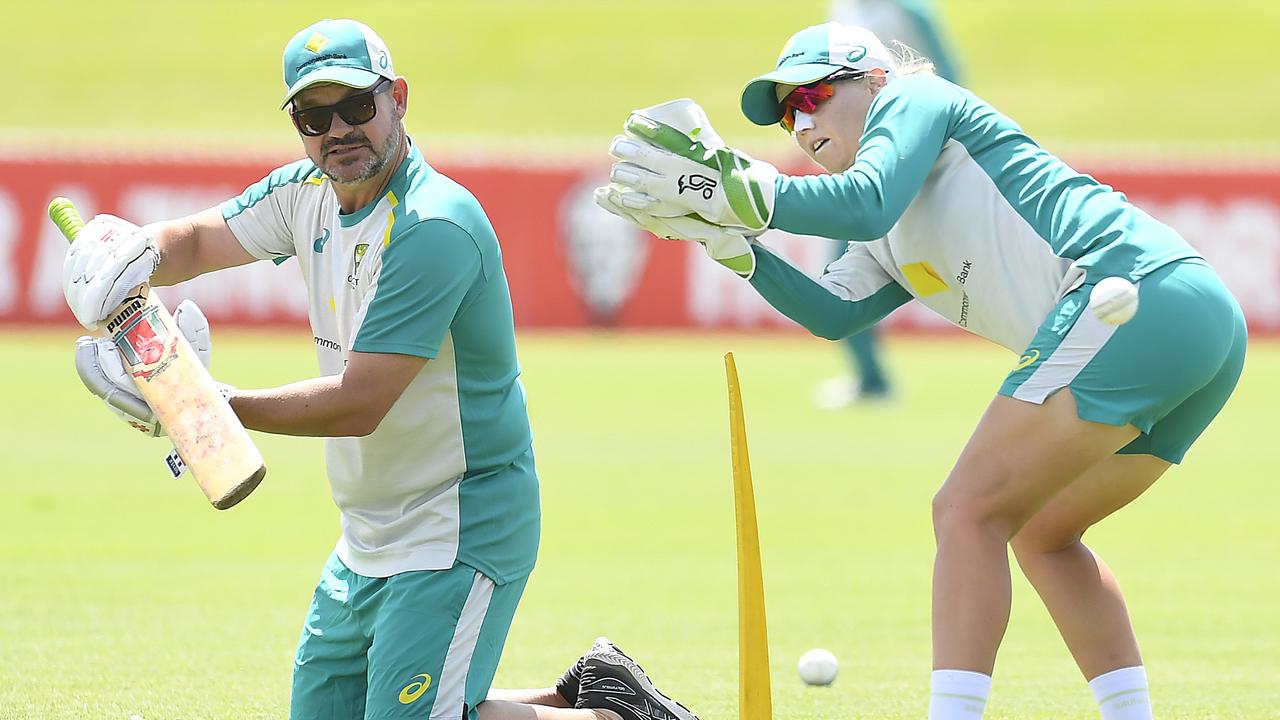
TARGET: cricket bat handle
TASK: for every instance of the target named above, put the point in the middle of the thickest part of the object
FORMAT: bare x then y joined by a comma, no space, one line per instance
66,217
205,431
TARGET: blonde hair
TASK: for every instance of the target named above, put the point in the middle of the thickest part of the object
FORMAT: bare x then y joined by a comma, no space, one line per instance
907,61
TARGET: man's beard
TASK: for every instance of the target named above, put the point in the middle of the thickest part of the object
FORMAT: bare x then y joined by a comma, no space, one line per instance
371,167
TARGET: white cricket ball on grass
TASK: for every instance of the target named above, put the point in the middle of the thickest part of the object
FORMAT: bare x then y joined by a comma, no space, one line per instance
818,667
1114,300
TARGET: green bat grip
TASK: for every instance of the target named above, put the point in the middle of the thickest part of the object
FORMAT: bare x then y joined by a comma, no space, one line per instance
66,217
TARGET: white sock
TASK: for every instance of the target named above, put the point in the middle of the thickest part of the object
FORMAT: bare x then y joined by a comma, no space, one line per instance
1122,694
958,695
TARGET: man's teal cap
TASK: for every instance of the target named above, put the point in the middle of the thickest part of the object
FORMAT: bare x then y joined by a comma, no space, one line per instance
809,56
344,52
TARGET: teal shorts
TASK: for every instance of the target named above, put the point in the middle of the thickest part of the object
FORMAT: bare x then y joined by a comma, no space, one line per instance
421,644
1167,372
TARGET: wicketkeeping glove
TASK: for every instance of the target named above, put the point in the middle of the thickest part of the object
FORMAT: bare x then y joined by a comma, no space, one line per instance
109,258
102,371
665,168
727,246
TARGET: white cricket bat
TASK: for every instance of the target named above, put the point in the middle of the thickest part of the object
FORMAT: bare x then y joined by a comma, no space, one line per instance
205,431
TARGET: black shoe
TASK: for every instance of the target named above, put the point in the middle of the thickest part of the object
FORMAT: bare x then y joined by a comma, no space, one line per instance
612,681
567,685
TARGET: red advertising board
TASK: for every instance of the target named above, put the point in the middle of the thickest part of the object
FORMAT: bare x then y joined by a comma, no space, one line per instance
569,263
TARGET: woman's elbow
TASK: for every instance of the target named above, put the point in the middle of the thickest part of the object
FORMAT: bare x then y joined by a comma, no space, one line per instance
870,228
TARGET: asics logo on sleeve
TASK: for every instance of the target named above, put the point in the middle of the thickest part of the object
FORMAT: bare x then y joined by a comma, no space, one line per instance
318,243
697,183
414,690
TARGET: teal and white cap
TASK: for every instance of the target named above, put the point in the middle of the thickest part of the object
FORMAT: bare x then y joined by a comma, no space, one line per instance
345,52
809,56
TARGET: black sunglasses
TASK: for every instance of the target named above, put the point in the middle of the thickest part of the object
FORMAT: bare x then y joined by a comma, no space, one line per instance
356,109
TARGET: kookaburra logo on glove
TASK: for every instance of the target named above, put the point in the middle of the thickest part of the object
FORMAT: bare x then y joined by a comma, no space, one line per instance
697,183
674,142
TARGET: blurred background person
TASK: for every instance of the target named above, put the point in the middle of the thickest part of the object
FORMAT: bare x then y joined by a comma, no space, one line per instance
913,23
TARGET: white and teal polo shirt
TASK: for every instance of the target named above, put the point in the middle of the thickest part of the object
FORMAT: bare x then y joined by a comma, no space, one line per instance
949,202
418,271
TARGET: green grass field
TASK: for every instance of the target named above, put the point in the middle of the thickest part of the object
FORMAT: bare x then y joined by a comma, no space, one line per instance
490,73
126,594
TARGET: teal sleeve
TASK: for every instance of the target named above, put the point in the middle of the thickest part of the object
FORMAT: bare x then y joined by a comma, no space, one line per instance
907,125
426,275
815,307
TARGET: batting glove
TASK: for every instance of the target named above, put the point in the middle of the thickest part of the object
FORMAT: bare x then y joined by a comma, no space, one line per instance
109,258
727,246
102,371
665,168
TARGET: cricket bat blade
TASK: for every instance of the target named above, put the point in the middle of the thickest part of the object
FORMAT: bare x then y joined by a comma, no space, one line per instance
204,429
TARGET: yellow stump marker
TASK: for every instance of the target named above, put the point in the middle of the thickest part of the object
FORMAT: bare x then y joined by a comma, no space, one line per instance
754,697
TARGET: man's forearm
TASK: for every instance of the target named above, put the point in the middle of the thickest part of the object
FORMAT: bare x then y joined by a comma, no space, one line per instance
175,240
317,407
194,245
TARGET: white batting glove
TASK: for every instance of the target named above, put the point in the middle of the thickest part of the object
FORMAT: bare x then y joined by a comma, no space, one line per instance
109,258
727,246
102,371
665,165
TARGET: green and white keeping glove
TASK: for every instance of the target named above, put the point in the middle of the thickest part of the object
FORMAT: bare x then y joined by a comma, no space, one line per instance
671,160
727,246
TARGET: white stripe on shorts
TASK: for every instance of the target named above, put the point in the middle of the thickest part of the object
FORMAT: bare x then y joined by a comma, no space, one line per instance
451,694
1083,342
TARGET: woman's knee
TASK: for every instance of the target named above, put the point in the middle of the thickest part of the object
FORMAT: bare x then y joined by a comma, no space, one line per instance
1036,541
960,512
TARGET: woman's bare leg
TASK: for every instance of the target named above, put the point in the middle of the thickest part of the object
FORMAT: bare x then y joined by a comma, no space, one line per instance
1020,456
1076,586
